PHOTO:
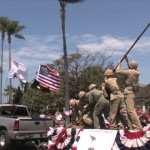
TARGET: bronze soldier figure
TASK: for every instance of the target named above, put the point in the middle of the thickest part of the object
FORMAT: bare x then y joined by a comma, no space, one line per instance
118,112
131,77
98,106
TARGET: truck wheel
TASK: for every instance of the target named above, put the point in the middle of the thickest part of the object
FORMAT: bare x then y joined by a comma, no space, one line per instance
4,140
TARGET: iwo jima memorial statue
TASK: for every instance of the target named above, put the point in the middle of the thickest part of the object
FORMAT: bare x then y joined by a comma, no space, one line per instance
95,127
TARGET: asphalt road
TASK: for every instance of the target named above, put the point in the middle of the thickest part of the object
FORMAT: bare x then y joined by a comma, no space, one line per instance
23,146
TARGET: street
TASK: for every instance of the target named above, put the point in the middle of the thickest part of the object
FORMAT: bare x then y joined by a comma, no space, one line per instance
23,146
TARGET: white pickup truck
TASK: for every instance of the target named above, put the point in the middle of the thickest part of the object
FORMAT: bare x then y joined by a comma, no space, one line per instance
17,125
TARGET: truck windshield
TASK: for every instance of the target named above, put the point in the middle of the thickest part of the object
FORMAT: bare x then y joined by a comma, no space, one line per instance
14,111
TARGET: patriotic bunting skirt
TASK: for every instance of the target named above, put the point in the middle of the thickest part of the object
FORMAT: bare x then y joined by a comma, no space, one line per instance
127,140
63,139
96,139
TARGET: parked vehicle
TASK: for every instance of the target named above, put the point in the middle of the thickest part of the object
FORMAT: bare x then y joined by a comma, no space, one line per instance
16,124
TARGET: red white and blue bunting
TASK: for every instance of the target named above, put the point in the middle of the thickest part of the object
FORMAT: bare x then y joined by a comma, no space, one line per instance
63,139
96,139
132,140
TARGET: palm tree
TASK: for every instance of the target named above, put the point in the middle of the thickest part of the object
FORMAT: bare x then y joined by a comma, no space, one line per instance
62,13
13,28
7,92
3,26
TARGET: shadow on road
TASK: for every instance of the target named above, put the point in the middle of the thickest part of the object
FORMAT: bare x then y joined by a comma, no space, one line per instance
23,146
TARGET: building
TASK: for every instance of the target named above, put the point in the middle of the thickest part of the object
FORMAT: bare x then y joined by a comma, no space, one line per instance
143,97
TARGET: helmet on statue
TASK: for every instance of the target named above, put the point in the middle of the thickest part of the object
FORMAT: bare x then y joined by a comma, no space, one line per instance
108,72
77,102
133,64
72,102
91,86
81,94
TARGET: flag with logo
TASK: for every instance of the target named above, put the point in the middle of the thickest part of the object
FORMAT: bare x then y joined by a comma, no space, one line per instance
18,70
48,78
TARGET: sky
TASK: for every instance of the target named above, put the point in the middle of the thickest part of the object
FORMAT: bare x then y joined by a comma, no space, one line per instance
93,25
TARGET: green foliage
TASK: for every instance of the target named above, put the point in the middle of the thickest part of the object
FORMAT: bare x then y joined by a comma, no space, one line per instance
35,99
13,28
3,25
18,93
90,75
84,69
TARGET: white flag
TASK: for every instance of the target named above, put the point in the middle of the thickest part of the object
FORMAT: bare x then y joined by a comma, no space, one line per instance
18,70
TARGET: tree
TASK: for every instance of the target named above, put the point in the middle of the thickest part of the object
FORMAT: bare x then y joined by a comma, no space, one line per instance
3,29
38,99
62,5
18,93
13,28
83,69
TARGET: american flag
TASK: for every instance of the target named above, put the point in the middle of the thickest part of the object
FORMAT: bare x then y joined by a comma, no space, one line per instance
48,78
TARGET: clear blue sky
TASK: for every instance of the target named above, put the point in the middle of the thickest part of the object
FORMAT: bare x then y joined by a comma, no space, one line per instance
91,25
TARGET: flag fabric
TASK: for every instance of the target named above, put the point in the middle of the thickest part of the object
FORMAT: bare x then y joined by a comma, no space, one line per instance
35,84
18,70
48,78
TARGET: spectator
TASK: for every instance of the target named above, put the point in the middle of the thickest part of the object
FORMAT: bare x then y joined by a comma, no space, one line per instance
43,113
